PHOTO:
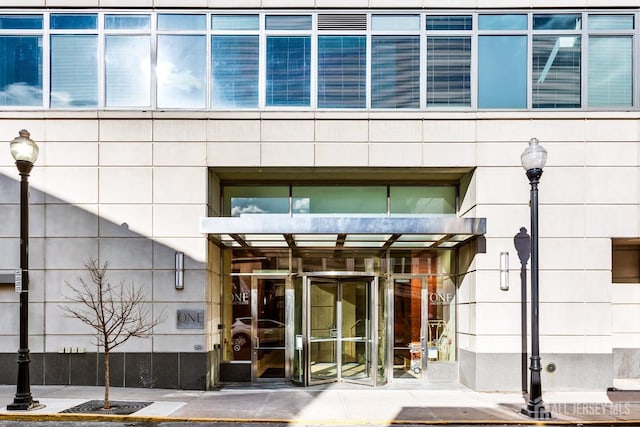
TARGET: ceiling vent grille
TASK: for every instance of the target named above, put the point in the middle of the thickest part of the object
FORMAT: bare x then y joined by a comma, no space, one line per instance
329,22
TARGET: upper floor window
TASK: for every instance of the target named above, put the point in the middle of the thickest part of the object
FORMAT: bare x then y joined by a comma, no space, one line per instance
181,64
448,61
376,60
557,56
502,61
610,77
21,50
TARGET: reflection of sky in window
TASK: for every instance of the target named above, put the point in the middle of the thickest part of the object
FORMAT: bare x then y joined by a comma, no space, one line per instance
502,72
502,22
259,205
21,77
181,71
234,71
128,71
557,22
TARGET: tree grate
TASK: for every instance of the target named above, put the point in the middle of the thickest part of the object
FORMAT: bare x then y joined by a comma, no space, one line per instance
117,407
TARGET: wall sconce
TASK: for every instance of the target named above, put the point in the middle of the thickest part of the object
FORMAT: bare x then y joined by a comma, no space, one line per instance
179,270
504,271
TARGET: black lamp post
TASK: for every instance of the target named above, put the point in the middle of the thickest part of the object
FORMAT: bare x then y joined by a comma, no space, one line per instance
533,160
25,152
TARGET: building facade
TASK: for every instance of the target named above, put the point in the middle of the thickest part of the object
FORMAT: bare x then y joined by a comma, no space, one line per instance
318,192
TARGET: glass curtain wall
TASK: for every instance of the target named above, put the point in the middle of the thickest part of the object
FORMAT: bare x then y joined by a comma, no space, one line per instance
198,61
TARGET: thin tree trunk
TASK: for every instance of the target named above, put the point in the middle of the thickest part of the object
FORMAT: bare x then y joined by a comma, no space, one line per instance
107,404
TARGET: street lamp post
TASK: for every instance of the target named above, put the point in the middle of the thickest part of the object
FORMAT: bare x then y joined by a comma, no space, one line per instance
25,153
533,160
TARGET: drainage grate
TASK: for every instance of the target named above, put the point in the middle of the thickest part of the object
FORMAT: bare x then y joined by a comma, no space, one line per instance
117,407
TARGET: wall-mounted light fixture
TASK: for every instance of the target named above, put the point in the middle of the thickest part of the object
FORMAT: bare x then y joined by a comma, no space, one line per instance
504,271
179,270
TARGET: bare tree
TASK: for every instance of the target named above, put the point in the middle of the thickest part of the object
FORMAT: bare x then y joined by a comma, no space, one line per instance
115,312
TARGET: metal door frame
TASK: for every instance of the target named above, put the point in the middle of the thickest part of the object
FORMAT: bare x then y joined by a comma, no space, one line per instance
288,315
327,277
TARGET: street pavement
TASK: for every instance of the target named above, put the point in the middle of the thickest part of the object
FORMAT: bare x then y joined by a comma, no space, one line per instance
339,404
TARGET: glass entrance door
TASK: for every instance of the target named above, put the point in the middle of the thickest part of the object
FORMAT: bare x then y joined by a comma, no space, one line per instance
340,324
410,328
268,329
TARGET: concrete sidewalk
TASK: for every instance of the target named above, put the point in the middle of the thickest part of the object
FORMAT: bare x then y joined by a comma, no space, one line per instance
335,404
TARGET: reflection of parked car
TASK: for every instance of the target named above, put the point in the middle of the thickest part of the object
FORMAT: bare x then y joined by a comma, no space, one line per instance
269,332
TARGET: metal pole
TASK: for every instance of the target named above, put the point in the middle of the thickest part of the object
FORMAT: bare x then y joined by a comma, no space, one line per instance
23,400
523,328
535,407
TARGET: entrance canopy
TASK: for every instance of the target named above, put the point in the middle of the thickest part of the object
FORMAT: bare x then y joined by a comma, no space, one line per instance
339,232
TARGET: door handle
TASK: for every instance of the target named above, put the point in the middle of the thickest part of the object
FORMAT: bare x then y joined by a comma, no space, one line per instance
257,342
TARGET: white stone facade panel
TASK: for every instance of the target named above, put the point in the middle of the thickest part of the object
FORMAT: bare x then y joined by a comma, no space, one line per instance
126,185
341,154
177,220
126,154
395,131
119,130
179,185
69,154
449,130
238,154
497,318
67,184
395,154
347,131
180,154
220,130
120,220
287,154
563,318
449,154
68,253
179,130
287,130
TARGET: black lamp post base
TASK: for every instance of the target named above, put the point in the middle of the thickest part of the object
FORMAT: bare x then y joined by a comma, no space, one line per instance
29,405
536,411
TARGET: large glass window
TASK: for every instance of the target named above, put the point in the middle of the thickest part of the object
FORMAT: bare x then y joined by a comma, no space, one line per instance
256,200
21,22
610,71
21,71
234,71
128,71
416,200
127,22
288,22
453,22
181,22
339,200
288,71
395,72
502,22
181,71
65,21
556,71
502,72
74,70
377,60
449,71
395,22
235,22
342,71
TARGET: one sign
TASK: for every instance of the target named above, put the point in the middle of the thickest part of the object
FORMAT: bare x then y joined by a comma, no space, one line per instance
18,281
190,319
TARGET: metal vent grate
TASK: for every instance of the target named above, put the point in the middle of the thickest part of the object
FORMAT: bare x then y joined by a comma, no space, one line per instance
329,22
